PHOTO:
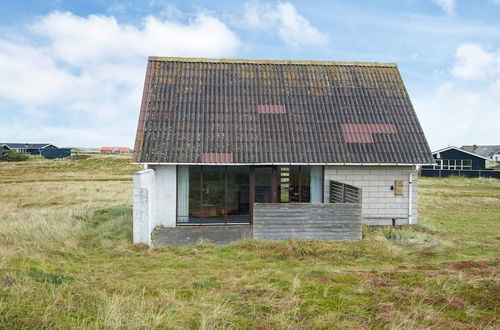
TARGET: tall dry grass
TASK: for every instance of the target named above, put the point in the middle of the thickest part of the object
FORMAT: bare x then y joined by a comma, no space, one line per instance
66,261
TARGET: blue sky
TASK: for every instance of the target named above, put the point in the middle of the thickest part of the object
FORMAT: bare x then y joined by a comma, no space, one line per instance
71,72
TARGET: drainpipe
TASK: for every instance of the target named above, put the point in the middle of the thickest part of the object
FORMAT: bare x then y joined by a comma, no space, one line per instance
410,182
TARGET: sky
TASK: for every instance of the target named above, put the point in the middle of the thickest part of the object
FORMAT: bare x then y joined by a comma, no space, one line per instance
72,72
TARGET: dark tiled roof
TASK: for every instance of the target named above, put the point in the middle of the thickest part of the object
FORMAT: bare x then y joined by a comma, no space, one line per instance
262,111
485,151
26,145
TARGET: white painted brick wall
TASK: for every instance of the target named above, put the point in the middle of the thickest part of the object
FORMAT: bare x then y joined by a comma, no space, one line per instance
379,204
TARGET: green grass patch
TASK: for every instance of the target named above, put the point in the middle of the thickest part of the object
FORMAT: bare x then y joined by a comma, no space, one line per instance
52,278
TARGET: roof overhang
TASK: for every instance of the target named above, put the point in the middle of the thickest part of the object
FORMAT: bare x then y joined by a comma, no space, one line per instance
289,164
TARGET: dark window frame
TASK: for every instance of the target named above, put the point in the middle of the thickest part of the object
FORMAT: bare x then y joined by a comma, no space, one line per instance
225,215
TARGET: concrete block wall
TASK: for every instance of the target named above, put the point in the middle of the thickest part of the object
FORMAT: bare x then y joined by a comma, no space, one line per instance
278,222
379,203
154,201
143,195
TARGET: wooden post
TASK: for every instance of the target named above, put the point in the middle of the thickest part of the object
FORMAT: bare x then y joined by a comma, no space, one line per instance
274,185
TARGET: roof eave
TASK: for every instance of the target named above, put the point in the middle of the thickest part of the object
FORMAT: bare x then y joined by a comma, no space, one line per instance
286,164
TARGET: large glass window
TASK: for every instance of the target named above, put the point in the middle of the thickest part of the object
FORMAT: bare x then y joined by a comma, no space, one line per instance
453,164
217,194
237,194
466,164
221,194
212,207
295,184
195,194
263,184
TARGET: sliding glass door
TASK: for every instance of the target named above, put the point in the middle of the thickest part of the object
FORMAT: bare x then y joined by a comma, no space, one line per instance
264,182
237,194
225,194
212,194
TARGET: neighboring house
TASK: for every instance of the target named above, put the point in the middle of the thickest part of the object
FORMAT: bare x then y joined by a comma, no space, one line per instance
107,150
46,150
492,152
28,148
115,150
453,161
221,137
453,158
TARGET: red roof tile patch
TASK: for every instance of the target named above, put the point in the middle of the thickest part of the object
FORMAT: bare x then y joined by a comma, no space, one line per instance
272,108
363,133
217,157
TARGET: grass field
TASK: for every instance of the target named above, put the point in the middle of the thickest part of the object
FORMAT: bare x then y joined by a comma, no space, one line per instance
66,261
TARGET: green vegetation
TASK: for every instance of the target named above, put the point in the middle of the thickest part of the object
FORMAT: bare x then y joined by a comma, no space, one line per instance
66,261
12,156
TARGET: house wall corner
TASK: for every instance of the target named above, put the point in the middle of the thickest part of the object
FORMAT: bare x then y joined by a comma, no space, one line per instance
143,212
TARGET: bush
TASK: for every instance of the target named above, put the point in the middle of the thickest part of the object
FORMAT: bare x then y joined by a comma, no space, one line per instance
12,156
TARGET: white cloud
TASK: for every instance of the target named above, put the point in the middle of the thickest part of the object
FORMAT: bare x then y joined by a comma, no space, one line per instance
94,66
475,63
78,40
448,6
465,109
293,28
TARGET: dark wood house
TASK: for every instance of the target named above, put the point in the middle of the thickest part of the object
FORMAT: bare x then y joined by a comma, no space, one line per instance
223,139
453,161
453,158
46,150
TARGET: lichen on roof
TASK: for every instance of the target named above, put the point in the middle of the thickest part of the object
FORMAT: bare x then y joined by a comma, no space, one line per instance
277,111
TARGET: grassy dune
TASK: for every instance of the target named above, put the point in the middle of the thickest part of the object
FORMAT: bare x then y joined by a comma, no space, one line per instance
66,261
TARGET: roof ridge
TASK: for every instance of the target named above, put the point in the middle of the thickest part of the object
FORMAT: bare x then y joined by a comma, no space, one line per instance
267,61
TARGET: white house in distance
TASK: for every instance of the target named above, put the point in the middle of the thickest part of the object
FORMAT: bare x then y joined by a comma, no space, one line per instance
225,139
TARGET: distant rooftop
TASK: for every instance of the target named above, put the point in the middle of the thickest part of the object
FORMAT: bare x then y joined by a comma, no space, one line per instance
484,150
26,145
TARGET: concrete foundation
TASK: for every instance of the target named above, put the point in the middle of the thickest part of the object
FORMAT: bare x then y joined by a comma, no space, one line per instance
190,235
